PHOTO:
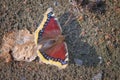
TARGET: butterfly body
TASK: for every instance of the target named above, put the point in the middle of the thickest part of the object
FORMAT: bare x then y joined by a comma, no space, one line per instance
49,42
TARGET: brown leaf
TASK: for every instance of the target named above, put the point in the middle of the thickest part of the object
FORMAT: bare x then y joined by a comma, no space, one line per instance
20,44
108,36
80,18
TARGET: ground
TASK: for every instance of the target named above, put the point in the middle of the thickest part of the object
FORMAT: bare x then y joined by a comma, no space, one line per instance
91,37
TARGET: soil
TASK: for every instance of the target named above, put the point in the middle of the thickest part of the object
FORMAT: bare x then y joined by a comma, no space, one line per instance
92,36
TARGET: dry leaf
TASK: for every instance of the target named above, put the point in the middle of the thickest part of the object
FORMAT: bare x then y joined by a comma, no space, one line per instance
107,37
19,44
80,18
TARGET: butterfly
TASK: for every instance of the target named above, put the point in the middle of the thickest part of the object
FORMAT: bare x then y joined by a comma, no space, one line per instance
52,47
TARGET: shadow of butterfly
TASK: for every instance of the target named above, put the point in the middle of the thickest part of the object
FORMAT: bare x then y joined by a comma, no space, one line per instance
51,46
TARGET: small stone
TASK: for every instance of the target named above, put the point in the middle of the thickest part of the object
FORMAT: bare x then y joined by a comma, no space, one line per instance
98,76
56,3
78,62
101,60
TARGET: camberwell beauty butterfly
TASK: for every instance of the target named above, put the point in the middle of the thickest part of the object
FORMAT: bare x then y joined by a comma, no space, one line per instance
48,36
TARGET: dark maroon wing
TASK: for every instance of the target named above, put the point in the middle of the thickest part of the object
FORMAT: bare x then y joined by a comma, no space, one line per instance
52,29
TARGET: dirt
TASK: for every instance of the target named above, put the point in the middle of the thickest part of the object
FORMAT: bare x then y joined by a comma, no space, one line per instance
92,37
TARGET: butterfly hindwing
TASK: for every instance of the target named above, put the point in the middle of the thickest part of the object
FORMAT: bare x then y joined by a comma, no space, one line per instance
57,56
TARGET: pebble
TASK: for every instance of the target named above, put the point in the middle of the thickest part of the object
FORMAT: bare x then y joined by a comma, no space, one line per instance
78,62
